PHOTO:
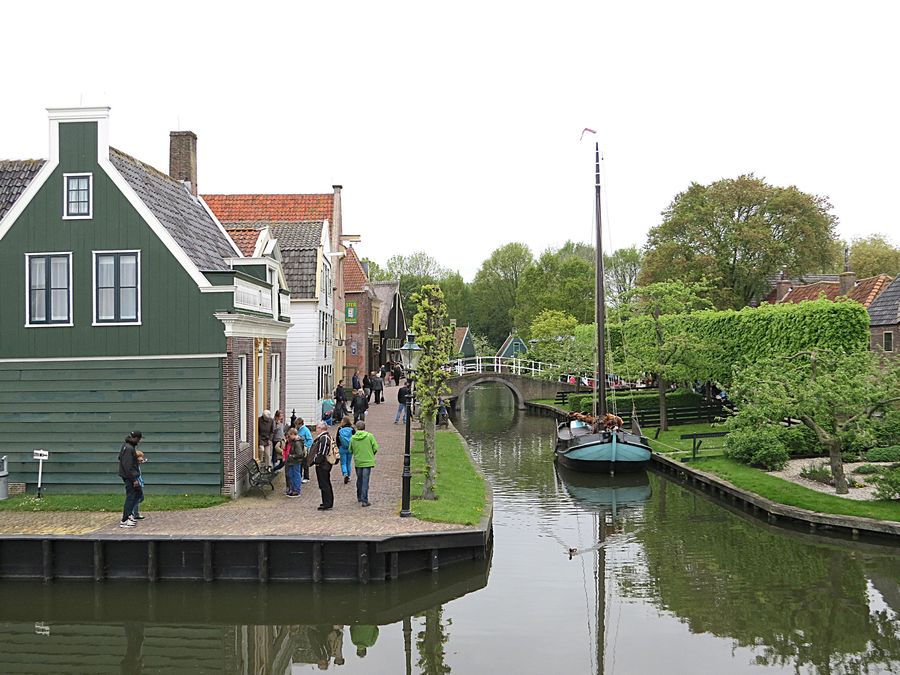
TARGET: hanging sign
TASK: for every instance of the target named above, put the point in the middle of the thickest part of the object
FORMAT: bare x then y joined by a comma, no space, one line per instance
350,312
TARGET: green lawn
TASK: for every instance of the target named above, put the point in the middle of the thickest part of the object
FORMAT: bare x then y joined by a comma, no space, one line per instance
111,503
791,494
461,491
670,443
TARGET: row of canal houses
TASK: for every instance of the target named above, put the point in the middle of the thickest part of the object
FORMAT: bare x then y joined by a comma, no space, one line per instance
130,301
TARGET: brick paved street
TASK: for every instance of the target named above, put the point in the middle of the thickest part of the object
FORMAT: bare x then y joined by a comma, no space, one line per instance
275,514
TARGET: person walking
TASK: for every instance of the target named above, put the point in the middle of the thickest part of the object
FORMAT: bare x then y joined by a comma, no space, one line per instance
136,513
355,380
367,386
305,436
363,447
265,427
296,455
359,404
344,434
402,403
321,456
339,394
130,474
398,373
278,442
377,387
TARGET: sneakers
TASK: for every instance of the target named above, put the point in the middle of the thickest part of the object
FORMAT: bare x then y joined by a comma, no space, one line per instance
138,517
366,504
346,479
293,495
306,480
128,523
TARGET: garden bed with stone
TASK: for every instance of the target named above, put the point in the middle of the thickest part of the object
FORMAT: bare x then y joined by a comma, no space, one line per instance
862,485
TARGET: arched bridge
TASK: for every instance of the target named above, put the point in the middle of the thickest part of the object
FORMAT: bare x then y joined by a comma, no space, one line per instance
521,376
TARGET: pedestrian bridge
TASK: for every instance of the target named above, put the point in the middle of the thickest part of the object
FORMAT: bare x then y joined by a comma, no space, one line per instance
526,379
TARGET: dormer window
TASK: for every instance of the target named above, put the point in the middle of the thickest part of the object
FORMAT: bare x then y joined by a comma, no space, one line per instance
77,196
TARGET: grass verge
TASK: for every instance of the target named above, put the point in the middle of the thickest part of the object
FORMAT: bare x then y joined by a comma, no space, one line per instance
670,442
461,492
111,503
790,494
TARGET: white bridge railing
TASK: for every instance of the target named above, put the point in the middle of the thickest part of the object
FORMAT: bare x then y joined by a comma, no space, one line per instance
496,364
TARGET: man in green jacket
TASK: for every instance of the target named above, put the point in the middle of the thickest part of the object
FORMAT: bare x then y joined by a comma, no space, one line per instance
363,447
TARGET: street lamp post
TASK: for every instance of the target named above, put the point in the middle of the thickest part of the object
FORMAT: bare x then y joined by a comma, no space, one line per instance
410,353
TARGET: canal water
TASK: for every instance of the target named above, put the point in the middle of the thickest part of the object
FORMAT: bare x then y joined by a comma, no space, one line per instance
588,575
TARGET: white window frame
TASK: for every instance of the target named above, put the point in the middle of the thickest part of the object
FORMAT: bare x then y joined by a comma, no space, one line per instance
90,213
884,341
242,397
94,289
48,324
275,380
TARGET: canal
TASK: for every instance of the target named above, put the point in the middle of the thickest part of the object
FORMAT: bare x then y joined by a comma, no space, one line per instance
588,575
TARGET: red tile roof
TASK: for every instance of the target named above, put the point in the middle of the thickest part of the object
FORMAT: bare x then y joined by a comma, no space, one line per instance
245,238
865,291
355,277
272,208
459,334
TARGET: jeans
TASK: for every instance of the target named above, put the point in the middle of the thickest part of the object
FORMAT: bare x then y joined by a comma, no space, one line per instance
362,484
132,496
401,409
137,505
346,458
378,396
292,478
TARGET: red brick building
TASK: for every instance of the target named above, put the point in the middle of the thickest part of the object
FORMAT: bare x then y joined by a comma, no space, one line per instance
362,316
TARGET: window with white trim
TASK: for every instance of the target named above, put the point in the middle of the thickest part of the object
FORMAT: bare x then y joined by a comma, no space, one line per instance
49,289
117,288
77,195
242,397
275,376
888,341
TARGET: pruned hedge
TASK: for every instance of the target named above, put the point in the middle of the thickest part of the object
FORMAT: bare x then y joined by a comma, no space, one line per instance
647,399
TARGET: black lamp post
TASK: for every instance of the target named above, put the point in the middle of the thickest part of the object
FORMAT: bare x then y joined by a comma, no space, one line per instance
410,353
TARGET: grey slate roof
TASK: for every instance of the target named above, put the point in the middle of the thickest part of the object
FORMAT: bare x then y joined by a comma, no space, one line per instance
179,212
885,309
15,175
385,291
299,244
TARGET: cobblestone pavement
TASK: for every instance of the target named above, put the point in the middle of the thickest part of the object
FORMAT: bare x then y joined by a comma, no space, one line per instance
273,514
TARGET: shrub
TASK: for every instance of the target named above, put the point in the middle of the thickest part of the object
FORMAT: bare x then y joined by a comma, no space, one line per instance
800,441
758,446
867,469
891,454
820,473
888,485
887,429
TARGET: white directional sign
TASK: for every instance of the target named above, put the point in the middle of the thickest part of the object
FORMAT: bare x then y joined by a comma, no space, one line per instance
42,454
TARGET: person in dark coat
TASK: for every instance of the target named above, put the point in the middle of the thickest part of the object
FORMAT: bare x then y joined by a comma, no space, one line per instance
130,474
377,387
318,457
398,373
339,394
359,404
355,381
367,387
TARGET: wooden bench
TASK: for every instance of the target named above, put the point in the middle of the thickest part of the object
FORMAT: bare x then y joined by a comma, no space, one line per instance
259,476
562,397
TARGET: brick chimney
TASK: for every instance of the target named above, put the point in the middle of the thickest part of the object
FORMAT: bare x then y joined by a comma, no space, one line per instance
847,279
183,158
782,286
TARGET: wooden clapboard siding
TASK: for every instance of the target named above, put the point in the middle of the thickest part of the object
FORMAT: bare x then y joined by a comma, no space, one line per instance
101,648
175,317
303,359
81,412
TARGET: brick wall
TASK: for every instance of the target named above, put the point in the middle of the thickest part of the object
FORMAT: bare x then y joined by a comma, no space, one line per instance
238,451
359,333
876,340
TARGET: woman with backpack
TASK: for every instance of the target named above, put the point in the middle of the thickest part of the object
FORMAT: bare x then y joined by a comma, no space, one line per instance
344,434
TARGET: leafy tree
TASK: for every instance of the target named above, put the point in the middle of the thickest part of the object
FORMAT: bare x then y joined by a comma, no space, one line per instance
494,290
560,279
737,232
414,271
620,270
430,643
458,296
668,349
375,271
874,255
833,394
553,333
435,338
482,346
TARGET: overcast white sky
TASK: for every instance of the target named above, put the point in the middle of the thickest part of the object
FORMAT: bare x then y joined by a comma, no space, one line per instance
454,126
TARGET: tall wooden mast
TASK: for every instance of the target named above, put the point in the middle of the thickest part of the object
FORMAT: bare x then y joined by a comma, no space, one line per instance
599,295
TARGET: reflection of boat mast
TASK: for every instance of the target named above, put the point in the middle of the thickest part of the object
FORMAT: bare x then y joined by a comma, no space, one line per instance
600,572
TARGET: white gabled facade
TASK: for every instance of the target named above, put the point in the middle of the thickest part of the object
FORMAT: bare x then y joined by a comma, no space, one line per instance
311,344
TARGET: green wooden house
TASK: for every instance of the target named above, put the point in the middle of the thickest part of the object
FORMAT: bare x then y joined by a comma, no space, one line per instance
125,305
513,347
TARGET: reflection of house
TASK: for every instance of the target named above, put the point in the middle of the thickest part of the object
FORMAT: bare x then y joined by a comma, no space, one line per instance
308,229
393,320
884,318
126,306
513,347
362,316
463,345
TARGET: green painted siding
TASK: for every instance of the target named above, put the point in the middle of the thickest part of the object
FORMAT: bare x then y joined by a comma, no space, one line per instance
254,271
176,318
81,412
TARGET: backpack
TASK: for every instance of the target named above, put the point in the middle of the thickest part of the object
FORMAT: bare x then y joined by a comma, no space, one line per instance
331,455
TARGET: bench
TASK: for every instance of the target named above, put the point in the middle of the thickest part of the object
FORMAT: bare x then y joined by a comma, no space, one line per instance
696,442
562,397
259,476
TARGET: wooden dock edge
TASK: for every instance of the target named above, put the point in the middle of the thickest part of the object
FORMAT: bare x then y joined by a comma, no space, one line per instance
782,515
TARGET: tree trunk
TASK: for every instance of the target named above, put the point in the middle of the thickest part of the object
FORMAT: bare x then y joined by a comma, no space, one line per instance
430,457
663,411
837,466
